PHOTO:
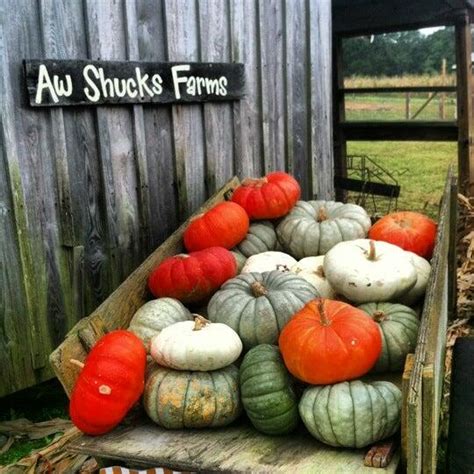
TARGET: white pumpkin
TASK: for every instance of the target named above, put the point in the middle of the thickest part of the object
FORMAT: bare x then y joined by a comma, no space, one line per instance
268,261
311,269
423,270
155,315
365,270
196,345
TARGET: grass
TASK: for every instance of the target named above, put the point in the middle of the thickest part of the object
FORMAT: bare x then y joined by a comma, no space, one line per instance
420,168
40,403
401,81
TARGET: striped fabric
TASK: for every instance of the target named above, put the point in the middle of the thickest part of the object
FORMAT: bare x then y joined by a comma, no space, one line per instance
124,470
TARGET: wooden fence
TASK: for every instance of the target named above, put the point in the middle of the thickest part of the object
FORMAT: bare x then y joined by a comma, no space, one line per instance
86,193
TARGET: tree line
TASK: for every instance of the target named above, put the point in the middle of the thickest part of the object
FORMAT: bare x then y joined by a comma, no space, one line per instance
396,54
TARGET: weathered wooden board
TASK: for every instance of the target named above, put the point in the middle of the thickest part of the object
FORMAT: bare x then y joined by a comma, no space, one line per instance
90,191
237,448
117,310
424,386
68,82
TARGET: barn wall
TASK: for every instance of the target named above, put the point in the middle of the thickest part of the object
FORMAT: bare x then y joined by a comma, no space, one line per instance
86,193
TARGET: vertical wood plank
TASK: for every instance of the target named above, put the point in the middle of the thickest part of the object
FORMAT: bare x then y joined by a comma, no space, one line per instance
182,40
296,57
272,84
107,40
139,139
322,172
248,141
218,126
464,106
158,128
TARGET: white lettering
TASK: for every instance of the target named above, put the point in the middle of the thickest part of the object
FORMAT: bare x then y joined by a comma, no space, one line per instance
96,95
44,82
157,81
132,88
142,83
179,80
223,85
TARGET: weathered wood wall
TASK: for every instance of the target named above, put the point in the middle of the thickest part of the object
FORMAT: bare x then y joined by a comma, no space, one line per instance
87,193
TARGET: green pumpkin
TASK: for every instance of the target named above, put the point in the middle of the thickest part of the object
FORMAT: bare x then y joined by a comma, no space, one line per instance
258,305
261,237
313,227
399,327
176,399
351,414
240,259
267,391
155,315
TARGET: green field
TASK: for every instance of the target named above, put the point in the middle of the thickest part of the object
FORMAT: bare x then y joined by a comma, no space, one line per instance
419,167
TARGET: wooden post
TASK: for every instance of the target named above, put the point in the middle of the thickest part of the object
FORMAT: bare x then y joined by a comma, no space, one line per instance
339,115
464,106
442,96
407,105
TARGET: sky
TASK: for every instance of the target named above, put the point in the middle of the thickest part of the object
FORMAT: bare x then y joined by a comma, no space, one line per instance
429,31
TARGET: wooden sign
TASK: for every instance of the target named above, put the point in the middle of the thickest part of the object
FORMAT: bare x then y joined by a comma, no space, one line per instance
53,82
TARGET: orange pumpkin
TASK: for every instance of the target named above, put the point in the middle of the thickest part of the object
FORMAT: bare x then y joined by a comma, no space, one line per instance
411,231
225,225
329,341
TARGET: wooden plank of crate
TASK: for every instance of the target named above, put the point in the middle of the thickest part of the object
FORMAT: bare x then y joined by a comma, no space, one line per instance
417,395
236,448
117,310
404,422
433,369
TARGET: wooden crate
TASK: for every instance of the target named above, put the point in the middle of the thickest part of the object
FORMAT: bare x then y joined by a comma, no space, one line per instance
238,447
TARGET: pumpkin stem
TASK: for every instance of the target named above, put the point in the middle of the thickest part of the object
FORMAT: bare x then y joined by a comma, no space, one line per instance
200,322
320,272
372,254
257,182
282,268
105,390
258,289
77,362
322,214
378,316
322,313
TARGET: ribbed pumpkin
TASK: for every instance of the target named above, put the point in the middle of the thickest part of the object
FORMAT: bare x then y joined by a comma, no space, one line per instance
109,384
269,197
225,225
180,399
239,259
313,227
193,278
351,414
196,345
311,269
365,270
268,261
267,393
409,230
155,315
399,327
330,341
423,270
258,305
261,237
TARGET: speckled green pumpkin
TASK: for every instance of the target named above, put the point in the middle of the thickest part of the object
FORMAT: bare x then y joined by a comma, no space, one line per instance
155,315
351,414
313,227
267,391
261,237
177,399
399,327
258,305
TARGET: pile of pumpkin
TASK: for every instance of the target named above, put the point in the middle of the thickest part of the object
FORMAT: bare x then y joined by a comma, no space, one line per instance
309,329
